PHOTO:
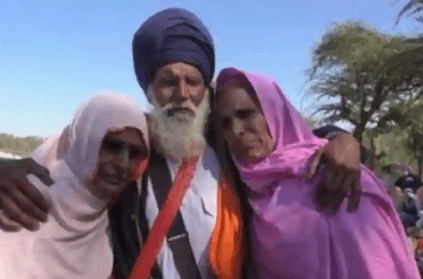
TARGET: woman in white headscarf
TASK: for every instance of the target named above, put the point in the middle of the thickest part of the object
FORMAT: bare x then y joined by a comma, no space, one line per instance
93,160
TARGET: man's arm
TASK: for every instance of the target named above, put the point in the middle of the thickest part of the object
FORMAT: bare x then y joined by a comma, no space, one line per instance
21,204
341,155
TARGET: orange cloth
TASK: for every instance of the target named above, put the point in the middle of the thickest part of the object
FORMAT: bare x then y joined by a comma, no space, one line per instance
226,246
420,244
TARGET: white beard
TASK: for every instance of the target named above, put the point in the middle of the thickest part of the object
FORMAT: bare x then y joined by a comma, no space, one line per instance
180,138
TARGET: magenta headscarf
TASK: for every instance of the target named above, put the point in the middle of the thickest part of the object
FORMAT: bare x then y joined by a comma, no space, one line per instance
294,142
290,238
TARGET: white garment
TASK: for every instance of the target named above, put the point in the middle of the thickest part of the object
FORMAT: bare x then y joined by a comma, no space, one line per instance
75,242
199,212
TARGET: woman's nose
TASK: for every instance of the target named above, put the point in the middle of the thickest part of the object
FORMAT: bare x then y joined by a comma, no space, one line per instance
122,159
237,127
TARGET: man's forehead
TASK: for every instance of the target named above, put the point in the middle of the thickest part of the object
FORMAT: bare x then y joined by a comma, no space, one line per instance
178,67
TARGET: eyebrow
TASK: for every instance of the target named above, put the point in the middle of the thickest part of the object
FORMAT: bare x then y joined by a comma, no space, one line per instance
237,112
118,141
172,73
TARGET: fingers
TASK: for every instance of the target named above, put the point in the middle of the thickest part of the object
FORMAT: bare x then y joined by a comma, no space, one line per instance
315,163
333,179
28,207
336,188
322,198
333,192
329,200
39,171
8,225
355,197
14,213
337,200
33,196
20,201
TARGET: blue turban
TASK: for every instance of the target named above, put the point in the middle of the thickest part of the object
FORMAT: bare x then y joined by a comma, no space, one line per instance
172,35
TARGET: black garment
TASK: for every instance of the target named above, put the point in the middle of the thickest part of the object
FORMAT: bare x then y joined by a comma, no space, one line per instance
417,182
123,223
410,208
127,239
323,132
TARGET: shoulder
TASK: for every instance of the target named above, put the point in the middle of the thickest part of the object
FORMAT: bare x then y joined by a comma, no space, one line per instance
209,160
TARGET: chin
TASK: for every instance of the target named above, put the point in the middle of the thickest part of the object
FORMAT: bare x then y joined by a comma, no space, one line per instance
114,189
256,156
108,191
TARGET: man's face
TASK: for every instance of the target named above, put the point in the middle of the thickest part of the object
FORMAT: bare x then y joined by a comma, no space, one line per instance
179,86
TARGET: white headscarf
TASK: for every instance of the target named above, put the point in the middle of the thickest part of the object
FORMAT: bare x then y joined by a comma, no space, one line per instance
74,243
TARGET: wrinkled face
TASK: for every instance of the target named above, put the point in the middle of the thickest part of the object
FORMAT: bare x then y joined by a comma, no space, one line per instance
180,87
120,155
242,123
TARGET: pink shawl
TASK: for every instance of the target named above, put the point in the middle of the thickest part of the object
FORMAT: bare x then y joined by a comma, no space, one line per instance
74,242
290,237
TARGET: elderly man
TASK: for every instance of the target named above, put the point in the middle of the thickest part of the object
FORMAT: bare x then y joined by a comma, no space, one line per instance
174,62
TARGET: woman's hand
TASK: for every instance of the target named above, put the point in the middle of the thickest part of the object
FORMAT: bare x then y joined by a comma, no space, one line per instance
21,204
341,157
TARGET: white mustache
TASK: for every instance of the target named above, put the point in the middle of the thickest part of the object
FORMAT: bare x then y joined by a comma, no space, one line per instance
172,106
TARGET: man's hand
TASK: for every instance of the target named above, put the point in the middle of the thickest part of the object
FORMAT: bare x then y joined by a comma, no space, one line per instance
341,156
8,225
21,204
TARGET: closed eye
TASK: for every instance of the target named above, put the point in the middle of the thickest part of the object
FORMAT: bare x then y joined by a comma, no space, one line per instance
245,113
193,81
113,146
167,80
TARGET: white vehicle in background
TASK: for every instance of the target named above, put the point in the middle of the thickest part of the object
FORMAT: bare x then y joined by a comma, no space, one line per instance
8,155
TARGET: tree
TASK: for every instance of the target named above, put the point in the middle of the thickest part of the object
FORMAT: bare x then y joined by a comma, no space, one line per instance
409,119
390,148
18,145
364,73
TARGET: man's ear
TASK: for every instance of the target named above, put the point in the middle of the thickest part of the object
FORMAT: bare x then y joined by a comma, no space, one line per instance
150,93
149,98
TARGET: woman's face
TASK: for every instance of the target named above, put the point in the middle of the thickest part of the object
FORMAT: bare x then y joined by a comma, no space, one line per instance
243,125
120,155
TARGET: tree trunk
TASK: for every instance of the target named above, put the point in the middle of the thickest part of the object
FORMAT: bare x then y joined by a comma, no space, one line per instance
373,158
358,133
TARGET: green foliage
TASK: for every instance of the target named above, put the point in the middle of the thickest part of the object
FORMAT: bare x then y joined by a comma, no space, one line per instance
409,119
365,73
391,148
349,43
18,145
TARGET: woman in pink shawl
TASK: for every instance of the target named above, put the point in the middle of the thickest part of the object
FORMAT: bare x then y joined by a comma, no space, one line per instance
95,158
272,147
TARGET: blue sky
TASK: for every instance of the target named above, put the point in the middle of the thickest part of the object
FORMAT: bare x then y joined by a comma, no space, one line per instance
56,53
